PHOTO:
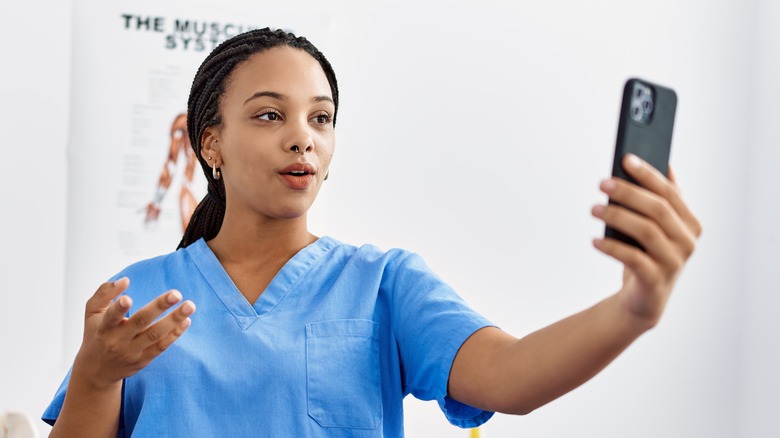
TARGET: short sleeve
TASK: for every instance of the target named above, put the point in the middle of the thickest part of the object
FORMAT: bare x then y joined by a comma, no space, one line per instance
52,412
431,322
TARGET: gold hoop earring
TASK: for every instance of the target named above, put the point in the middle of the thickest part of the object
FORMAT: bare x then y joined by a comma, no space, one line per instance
215,172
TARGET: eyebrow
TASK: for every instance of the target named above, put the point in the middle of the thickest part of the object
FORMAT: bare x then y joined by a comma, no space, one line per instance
322,99
278,96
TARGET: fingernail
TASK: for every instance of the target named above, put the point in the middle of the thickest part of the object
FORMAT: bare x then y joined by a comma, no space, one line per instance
188,308
597,242
124,302
608,186
118,282
634,161
174,297
597,210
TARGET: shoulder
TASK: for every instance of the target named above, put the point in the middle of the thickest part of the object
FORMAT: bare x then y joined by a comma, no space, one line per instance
155,264
153,276
394,267
368,255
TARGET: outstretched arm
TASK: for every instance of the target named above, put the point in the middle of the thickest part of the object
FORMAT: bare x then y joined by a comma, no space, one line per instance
495,371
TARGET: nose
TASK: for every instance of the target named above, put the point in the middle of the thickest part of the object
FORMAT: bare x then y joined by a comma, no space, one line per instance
299,140
297,149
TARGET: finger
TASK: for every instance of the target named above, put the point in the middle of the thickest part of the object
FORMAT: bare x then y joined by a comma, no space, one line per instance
162,329
653,206
653,180
160,346
690,219
107,292
646,175
116,312
632,258
673,176
642,229
141,319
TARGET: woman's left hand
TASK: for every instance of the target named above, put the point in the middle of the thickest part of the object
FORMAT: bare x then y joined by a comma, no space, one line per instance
656,216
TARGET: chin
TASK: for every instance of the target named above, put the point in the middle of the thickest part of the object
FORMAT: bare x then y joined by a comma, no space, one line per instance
292,211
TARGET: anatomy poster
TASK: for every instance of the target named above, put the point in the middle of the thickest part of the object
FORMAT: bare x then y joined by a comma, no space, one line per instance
133,177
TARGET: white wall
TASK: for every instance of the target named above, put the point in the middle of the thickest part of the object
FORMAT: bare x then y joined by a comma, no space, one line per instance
35,75
760,341
477,135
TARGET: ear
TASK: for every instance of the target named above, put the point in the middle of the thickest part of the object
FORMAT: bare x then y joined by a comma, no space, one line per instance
209,146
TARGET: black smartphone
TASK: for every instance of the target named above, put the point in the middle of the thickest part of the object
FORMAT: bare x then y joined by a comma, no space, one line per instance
645,129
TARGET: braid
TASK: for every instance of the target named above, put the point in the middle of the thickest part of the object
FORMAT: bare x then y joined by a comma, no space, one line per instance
203,111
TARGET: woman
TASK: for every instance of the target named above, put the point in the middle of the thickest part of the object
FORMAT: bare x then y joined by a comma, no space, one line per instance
304,336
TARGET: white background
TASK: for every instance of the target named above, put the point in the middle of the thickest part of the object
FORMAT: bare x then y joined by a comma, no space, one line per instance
476,135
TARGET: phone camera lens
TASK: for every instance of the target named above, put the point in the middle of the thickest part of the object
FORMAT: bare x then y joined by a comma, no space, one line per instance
641,103
647,105
637,113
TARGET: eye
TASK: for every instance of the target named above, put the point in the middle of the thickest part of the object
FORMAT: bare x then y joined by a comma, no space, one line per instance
322,119
270,116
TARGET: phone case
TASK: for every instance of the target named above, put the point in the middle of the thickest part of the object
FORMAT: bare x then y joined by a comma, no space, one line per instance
645,129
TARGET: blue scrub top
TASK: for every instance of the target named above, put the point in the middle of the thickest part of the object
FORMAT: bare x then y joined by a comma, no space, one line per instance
331,347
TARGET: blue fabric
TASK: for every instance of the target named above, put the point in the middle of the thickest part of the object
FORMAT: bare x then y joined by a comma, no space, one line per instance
331,347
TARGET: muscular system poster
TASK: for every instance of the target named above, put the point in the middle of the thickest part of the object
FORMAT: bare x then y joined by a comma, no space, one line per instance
133,179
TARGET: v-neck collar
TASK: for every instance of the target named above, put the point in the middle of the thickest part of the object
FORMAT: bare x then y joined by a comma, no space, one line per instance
284,280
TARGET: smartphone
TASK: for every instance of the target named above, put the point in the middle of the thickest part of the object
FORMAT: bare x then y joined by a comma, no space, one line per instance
645,129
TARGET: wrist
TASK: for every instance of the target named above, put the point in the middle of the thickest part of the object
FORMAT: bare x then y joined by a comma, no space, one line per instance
627,318
87,378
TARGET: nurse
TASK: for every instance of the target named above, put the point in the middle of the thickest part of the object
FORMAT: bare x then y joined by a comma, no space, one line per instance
299,335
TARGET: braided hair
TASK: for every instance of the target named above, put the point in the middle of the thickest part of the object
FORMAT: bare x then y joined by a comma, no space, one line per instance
203,111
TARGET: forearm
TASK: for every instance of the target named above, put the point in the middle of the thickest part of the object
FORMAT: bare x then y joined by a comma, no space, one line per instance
88,410
519,375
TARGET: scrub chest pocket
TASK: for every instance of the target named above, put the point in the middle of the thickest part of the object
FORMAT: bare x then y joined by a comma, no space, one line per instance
342,373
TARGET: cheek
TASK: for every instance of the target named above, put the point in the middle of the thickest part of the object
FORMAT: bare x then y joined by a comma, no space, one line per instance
326,157
251,149
327,149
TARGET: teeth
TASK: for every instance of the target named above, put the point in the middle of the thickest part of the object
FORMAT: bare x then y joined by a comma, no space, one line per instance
298,172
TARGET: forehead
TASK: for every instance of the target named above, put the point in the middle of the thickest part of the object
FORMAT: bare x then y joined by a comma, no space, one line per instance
285,70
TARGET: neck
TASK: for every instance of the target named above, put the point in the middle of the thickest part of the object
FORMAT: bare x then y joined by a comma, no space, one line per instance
248,242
